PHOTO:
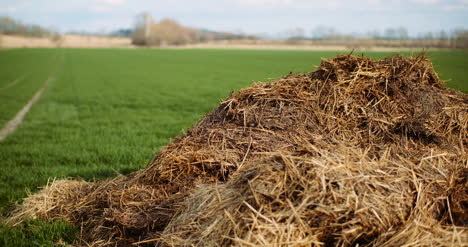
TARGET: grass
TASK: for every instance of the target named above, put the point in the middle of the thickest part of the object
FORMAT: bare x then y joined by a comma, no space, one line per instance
22,73
107,111
38,233
453,67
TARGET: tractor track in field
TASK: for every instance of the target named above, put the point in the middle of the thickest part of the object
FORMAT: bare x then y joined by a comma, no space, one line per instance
14,82
14,123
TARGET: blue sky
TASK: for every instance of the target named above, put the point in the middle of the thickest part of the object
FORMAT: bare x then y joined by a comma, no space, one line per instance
250,16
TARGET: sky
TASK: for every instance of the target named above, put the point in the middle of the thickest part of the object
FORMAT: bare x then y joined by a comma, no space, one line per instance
268,17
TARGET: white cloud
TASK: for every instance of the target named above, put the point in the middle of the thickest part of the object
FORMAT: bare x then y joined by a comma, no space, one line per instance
266,2
456,7
269,16
112,2
294,4
8,10
102,6
376,5
426,1
462,5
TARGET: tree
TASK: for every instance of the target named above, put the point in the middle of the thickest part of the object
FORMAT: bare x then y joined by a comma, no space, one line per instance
166,32
169,32
323,32
12,26
402,33
390,33
460,38
295,33
143,26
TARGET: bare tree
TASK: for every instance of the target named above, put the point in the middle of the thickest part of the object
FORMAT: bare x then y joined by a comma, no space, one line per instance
169,32
143,25
323,32
460,38
14,27
57,39
402,33
390,33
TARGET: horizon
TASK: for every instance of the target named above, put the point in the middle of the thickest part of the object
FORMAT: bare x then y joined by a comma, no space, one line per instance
267,18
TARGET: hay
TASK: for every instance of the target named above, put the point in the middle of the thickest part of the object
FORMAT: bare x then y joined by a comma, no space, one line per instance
336,198
359,152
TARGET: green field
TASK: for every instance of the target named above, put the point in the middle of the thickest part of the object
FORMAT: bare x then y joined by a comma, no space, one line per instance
107,111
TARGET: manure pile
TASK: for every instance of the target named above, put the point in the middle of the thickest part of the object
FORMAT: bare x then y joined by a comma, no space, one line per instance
359,152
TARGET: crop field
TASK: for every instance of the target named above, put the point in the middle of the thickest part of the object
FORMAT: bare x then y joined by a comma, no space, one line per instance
106,112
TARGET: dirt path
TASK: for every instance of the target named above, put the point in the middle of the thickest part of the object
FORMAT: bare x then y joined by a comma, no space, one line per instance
13,124
14,82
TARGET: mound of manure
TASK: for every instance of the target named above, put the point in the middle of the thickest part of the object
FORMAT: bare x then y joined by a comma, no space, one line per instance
359,152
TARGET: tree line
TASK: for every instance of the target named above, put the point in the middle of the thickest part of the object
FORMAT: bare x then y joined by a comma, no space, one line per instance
10,26
148,32
389,37
170,32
